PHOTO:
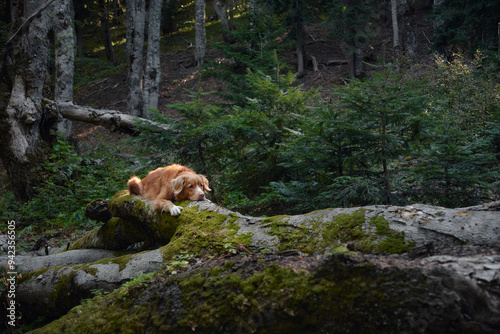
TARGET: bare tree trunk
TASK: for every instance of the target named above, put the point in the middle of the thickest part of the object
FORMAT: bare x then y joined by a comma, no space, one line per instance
395,29
152,72
106,32
200,32
354,59
65,56
22,146
498,38
299,40
231,15
136,15
224,21
216,9
252,9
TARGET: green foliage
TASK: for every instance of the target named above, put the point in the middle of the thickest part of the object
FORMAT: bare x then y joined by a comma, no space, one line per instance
350,20
71,183
256,48
466,25
459,164
244,142
349,148
383,140
139,282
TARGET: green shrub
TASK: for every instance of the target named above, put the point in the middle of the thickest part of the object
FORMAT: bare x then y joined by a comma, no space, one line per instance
71,183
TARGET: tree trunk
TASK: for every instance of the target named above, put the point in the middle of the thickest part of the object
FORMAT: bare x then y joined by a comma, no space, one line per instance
136,15
152,72
65,56
299,38
438,267
106,32
395,29
22,146
231,16
224,21
200,32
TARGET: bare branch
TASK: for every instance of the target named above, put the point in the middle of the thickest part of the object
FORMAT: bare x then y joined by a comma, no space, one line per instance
111,119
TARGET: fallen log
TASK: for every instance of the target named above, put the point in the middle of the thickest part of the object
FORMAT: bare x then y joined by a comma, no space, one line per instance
205,230
379,228
111,119
288,294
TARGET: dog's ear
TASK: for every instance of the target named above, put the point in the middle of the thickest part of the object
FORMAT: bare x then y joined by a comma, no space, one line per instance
205,184
178,184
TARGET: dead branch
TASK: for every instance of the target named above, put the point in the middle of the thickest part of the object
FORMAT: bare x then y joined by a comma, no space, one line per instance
111,119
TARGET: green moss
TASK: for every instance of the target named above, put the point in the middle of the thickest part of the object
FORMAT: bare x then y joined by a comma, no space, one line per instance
202,232
290,236
59,294
346,229
394,242
84,241
381,224
229,264
343,229
122,262
339,295
216,271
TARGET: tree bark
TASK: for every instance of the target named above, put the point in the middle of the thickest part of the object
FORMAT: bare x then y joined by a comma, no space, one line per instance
200,32
65,56
152,71
22,146
136,15
395,29
299,39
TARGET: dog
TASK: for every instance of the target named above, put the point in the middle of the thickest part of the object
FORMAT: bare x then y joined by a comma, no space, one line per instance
167,184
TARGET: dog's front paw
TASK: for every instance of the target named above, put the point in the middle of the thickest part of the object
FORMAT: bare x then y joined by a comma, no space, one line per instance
176,210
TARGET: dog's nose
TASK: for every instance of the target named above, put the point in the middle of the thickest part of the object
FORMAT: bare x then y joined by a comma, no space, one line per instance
201,197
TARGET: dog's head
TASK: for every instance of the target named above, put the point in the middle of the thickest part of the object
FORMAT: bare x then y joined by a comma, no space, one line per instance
190,186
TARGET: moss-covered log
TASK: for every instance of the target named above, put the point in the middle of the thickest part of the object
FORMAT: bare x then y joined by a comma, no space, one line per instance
386,229
273,294
205,230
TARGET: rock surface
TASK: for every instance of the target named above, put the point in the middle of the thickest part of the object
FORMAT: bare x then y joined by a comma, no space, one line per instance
446,257
300,294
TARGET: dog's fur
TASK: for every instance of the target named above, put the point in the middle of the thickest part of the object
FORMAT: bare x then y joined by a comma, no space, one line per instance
166,184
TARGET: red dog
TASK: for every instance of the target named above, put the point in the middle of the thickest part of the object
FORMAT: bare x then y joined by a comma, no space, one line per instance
166,184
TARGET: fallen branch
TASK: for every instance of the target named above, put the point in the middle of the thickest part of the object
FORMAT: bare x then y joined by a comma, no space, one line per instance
111,119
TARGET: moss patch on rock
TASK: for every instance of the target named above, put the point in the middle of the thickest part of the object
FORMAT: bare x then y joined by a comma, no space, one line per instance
352,230
204,233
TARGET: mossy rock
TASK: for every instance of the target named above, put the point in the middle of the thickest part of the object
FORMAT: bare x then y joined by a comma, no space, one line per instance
313,233
272,294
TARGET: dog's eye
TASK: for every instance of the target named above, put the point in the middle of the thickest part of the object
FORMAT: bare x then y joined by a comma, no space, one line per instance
190,186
